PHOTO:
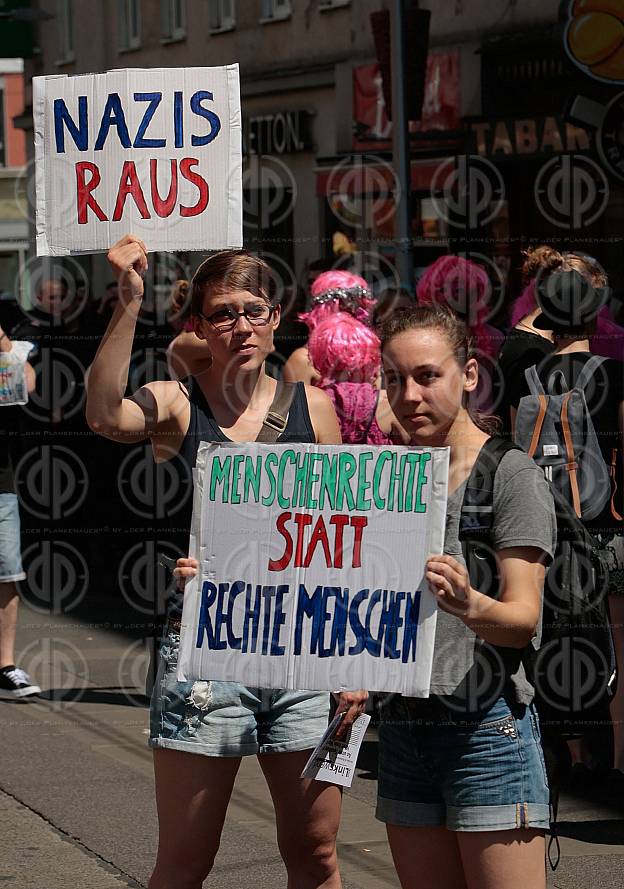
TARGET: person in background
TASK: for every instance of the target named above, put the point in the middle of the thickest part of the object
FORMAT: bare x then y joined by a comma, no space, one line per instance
347,356
14,681
332,291
571,312
391,301
187,355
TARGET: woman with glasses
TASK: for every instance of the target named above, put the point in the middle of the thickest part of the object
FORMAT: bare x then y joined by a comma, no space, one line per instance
233,312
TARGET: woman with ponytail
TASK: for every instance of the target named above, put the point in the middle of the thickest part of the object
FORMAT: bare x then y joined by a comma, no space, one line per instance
462,784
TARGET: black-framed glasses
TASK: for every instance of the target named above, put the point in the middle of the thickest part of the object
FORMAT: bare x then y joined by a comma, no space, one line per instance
258,315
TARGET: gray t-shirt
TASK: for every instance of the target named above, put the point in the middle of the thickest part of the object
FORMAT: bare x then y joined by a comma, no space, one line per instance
464,666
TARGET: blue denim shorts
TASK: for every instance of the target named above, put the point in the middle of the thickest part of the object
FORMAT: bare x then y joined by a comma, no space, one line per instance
229,719
478,772
10,551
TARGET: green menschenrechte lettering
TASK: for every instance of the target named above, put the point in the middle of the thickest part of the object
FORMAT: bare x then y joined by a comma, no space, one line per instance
220,476
347,467
270,461
421,481
253,474
380,503
363,503
310,502
236,465
286,455
329,473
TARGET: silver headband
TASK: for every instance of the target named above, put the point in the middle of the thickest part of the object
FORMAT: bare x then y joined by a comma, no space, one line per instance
349,297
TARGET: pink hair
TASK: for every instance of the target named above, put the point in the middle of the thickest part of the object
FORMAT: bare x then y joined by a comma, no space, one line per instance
608,340
464,287
327,299
341,347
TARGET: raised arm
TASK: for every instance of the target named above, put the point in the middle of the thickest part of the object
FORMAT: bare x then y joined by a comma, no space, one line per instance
107,411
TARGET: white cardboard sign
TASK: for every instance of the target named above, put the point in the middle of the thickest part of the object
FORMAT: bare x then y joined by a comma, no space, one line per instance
311,566
155,152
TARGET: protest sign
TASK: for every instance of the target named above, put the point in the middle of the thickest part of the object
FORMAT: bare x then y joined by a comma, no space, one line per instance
155,152
311,566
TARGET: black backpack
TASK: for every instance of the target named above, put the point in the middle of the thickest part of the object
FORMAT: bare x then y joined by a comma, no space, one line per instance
573,670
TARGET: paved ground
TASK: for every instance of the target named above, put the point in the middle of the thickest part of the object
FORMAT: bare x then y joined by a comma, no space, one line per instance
76,793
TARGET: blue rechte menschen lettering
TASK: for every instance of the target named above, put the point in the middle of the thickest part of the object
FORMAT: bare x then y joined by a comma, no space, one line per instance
307,606
252,617
392,620
213,119
410,633
236,589
373,646
113,115
279,618
339,623
354,622
268,592
154,100
204,627
80,133
178,120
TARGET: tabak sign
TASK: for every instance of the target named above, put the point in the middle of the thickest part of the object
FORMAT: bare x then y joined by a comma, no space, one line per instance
526,136
153,151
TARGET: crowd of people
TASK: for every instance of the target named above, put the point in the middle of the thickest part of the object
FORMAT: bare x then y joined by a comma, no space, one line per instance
463,784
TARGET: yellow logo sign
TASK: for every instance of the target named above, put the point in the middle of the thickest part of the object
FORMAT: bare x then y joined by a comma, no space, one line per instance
594,38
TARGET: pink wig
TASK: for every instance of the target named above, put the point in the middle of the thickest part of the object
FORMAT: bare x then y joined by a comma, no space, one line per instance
338,291
341,347
465,288
608,340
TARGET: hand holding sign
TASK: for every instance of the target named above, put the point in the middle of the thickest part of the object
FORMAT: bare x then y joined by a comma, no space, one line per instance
128,259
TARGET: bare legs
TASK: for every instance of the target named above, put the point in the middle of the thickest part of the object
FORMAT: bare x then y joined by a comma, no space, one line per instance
8,622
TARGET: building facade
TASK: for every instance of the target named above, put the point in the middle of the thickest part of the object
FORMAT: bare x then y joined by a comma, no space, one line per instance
318,178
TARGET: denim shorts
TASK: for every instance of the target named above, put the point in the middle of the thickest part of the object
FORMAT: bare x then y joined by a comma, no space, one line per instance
229,719
10,551
477,773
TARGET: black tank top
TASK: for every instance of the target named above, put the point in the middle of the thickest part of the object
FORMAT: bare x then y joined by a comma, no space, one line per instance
203,427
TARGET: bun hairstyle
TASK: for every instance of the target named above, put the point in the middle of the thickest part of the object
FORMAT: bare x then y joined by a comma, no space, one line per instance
461,341
229,271
342,348
338,291
544,260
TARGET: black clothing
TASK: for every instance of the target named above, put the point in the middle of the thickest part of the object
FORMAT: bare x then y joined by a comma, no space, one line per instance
520,350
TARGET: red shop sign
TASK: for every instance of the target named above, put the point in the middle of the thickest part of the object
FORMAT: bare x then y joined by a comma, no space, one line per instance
372,129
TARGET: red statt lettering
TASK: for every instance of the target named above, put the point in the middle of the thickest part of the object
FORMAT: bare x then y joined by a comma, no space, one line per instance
129,185
185,169
281,564
84,189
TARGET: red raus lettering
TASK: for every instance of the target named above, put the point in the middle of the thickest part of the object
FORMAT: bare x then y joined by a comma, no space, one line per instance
163,204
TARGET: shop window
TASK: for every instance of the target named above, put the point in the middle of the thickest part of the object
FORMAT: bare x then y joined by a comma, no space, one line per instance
64,32
221,15
275,10
129,24
173,19
333,4
2,130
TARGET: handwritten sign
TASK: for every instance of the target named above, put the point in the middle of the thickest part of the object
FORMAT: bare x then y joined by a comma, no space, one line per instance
152,151
312,566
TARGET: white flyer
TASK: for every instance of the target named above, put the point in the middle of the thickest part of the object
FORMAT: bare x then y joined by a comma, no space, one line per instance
335,761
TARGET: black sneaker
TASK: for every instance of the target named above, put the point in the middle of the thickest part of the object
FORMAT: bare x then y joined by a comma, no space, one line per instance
16,683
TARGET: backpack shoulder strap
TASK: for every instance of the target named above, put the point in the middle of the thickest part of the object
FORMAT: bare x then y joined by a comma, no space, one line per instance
477,507
533,381
588,371
277,416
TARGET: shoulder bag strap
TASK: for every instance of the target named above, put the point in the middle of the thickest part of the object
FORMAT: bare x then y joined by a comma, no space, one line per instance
277,416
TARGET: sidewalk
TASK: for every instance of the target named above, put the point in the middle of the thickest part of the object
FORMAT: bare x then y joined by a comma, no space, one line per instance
77,796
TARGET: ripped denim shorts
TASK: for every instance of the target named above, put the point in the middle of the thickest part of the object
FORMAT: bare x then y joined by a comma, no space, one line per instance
229,719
